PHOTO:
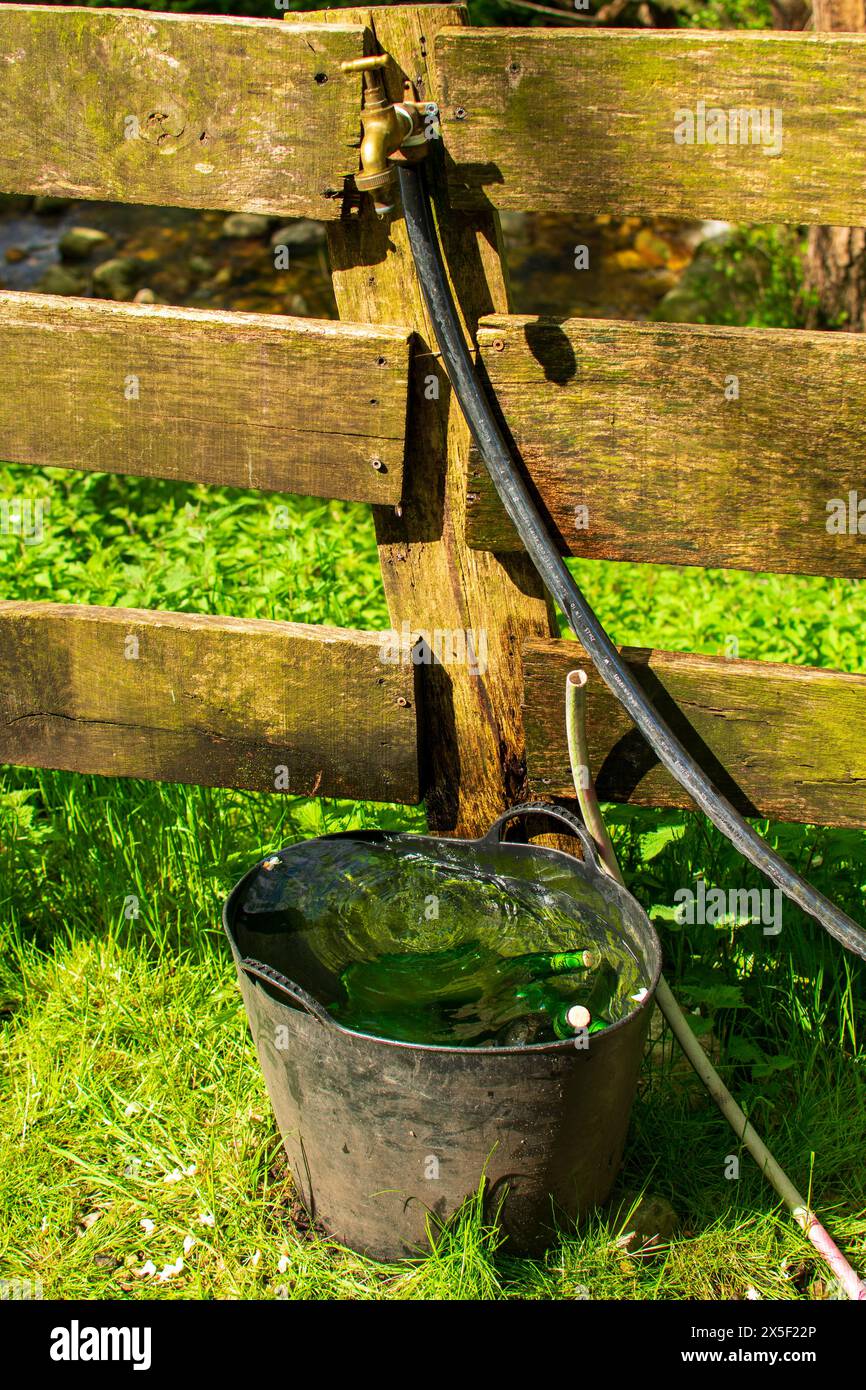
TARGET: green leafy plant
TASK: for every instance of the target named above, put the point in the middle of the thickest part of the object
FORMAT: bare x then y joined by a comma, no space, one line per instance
751,277
728,14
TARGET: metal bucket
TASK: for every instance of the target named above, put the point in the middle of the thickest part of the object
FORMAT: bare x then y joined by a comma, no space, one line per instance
387,1139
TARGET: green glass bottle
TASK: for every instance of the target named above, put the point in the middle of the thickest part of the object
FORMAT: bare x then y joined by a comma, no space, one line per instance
463,974
543,1025
570,1020
539,1008
595,1006
529,1011
603,992
429,1025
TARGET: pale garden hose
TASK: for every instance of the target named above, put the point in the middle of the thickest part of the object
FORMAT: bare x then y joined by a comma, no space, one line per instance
578,754
533,531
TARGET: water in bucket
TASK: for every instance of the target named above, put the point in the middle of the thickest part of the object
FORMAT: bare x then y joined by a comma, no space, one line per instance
418,945
471,995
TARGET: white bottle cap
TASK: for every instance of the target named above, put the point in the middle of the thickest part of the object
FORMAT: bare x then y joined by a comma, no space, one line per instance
578,1016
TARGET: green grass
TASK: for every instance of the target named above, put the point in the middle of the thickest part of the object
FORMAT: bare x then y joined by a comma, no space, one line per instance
125,1048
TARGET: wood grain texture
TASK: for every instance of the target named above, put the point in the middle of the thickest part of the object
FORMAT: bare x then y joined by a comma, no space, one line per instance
844,16
192,111
215,701
472,733
249,400
585,122
781,741
638,424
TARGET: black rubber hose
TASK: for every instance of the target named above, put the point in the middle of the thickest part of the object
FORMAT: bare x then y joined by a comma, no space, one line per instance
521,508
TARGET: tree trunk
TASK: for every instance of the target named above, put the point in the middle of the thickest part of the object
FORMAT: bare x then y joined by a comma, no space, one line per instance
844,16
836,258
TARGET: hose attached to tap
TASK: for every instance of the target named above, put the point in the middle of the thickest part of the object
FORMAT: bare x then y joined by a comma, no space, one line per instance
521,508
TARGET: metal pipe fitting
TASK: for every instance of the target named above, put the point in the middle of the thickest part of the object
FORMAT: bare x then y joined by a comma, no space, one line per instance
387,127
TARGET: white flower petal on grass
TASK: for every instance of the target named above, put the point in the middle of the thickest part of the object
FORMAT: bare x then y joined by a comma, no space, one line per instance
169,1271
147,1269
177,1174
132,1109
256,1259
282,1264
44,1226
752,1294
206,1219
147,1225
189,1242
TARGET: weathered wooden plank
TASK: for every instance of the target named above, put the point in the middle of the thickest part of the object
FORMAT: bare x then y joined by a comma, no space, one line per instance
686,445
591,122
185,697
250,400
781,741
472,730
193,111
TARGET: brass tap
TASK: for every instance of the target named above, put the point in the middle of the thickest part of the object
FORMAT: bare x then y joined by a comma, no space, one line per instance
390,129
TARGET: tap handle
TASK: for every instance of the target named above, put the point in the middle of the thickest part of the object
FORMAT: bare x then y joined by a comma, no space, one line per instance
372,63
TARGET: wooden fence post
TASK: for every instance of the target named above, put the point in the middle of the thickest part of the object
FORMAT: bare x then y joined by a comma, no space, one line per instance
473,756
836,259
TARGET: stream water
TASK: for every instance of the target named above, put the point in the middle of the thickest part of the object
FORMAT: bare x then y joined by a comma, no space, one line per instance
600,267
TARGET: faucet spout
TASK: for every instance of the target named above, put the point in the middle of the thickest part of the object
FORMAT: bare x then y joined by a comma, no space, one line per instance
387,127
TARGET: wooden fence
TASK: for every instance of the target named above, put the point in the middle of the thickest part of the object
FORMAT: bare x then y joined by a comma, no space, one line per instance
628,436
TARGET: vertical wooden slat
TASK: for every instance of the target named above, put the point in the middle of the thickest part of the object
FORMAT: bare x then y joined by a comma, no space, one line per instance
471,720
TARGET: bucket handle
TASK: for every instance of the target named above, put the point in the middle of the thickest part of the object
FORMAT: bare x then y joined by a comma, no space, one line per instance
542,808
270,976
